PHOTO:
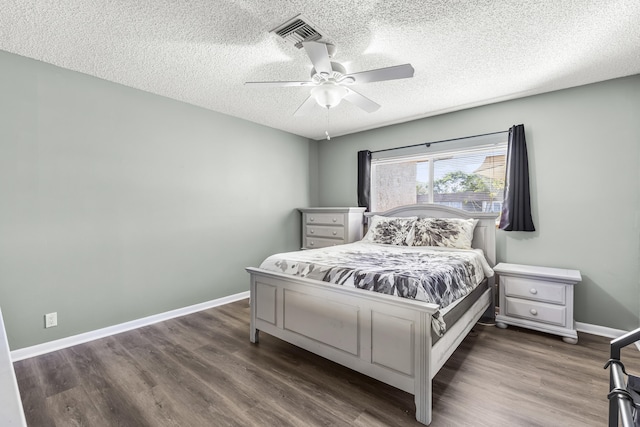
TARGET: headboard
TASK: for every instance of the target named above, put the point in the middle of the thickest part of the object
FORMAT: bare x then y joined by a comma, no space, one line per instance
484,235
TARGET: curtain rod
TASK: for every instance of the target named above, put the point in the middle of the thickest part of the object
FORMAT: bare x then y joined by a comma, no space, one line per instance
428,144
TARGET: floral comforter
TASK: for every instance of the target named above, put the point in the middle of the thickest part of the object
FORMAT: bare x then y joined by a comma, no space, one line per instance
432,274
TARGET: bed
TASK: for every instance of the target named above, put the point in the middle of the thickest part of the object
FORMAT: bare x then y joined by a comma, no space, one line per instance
386,337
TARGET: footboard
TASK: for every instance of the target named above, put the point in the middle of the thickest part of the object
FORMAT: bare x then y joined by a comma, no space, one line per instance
381,336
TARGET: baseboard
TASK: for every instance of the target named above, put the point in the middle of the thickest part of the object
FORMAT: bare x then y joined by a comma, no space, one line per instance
37,350
602,331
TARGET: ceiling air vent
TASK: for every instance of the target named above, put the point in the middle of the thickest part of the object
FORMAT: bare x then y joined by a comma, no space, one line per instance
298,30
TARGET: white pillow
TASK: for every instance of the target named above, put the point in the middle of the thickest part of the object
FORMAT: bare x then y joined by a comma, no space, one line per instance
390,230
447,232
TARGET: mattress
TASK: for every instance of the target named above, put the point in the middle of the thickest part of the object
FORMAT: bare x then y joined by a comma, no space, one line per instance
456,310
432,274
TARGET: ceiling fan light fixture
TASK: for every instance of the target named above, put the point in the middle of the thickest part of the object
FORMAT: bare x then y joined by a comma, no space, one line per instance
329,94
329,80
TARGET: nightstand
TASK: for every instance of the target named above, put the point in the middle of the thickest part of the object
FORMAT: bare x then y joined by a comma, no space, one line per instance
539,298
322,227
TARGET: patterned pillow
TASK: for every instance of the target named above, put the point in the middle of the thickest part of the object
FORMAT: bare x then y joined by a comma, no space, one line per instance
448,232
390,230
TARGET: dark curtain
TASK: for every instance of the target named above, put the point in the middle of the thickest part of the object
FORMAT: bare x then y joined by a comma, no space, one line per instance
516,209
364,179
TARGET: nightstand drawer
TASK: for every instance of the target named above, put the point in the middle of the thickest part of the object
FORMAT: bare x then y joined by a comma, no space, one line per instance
540,312
533,289
314,242
324,218
325,231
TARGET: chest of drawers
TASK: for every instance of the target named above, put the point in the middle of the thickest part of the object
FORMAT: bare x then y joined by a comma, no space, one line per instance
322,227
538,298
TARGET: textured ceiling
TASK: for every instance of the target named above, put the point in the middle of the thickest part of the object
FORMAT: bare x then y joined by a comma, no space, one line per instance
465,53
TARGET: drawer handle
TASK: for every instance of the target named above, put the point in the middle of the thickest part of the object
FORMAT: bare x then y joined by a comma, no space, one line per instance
335,219
312,219
312,231
335,232
533,291
533,311
311,243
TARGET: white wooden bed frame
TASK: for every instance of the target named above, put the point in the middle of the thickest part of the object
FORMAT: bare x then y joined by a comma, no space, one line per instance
385,337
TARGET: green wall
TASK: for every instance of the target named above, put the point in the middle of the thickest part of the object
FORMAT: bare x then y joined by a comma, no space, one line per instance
116,204
584,159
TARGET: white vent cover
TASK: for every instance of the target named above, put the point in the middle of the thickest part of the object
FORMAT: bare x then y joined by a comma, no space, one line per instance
298,30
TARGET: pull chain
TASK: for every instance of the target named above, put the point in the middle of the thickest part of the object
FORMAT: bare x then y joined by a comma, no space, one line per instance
326,132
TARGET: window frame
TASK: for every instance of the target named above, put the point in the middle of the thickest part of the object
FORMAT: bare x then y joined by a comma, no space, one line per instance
424,153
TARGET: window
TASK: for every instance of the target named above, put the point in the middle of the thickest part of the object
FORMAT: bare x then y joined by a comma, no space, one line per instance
469,178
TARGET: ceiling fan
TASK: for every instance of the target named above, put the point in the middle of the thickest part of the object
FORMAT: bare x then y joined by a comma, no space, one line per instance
329,80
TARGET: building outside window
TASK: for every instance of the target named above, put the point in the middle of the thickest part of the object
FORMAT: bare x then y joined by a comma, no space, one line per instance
470,178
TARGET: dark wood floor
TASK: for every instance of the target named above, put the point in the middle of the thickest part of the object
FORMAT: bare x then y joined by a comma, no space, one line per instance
201,370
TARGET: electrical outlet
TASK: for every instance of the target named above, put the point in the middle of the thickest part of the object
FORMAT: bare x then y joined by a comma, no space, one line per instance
50,320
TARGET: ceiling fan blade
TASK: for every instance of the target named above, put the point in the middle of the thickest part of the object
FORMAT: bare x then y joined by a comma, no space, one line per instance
278,84
319,56
361,101
306,107
380,74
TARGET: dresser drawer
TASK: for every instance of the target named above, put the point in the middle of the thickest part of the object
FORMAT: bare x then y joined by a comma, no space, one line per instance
540,312
314,242
330,226
324,218
536,290
325,231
